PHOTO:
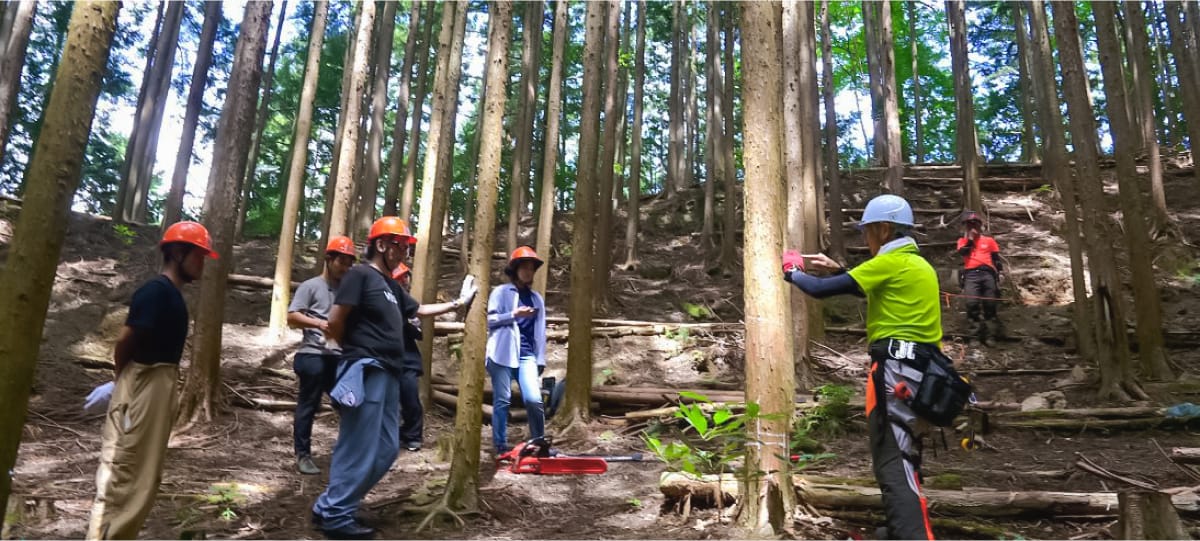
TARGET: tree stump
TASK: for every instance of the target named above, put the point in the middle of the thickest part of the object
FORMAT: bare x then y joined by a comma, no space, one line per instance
1148,515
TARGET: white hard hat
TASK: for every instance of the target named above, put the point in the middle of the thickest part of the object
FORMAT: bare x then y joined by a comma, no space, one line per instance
887,208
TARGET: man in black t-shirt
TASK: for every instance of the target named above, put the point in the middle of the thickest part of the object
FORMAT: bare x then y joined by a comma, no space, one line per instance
367,321
141,402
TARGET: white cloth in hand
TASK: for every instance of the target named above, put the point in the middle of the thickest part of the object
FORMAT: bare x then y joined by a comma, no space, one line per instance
97,400
469,289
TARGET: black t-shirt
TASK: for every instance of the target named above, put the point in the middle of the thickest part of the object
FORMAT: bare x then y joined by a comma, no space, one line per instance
160,317
375,327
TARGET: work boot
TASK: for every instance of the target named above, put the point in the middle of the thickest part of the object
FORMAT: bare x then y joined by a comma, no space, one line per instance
354,530
997,328
882,533
306,466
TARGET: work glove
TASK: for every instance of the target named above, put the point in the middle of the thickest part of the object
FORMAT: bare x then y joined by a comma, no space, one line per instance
468,291
97,400
792,261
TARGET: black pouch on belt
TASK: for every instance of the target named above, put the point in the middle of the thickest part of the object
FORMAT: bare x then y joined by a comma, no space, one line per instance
942,393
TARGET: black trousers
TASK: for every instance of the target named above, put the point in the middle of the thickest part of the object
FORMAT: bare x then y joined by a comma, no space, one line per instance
412,416
896,449
981,282
316,374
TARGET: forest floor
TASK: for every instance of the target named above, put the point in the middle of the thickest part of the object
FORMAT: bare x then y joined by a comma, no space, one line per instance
235,477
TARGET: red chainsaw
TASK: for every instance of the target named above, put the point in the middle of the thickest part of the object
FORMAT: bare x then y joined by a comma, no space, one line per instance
536,456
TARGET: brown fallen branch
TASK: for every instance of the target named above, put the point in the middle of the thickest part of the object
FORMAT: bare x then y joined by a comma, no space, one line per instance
1088,465
266,404
1185,455
1077,425
255,281
817,492
930,245
451,401
1132,412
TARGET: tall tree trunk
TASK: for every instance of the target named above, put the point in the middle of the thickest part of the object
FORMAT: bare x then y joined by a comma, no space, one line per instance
298,166
1170,132
914,47
870,13
729,175
1108,307
1143,102
462,489
522,156
690,119
368,188
964,105
1029,147
1147,306
12,62
550,165
1188,78
769,497
37,240
202,386
336,158
173,209
1056,169
894,180
712,124
141,116
347,170
246,184
414,136
635,149
436,183
607,156
795,173
400,129
577,400
675,109
812,190
832,172
469,206
141,154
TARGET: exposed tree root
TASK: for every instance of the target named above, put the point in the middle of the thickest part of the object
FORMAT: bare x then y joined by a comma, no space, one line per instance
443,507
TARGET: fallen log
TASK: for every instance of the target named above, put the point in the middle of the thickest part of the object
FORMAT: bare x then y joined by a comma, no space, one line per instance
450,401
1185,455
266,404
973,529
255,281
1090,423
930,245
1133,412
971,502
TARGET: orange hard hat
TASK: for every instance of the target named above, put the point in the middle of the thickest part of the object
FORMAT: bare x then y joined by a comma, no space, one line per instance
400,271
341,244
189,233
389,225
522,254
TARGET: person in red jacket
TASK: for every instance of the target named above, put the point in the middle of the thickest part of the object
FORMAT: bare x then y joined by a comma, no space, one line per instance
980,277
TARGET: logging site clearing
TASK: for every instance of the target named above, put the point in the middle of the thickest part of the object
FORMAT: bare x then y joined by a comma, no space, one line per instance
1039,456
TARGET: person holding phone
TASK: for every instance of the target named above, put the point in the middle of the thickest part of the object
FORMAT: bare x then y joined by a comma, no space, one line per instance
516,346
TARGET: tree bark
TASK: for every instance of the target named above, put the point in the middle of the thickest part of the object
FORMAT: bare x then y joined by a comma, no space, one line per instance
1056,169
675,108
891,102
769,370
633,214
1168,125
298,166
436,182
606,159
246,183
870,13
462,488
712,124
1143,102
138,131
1147,305
37,240
812,187
690,118
1148,515
13,61
914,46
141,155
797,171
347,169
202,386
550,164
414,136
832,166
469,206
1189,75
729,174
1185,455
522,155
400,128
368,192
1108,311
336,158
968,149
173,209
1029,148
577,399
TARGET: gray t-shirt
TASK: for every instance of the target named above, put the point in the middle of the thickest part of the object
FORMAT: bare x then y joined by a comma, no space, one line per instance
314,298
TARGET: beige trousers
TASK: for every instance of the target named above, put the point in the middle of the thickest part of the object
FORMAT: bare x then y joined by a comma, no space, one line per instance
134,445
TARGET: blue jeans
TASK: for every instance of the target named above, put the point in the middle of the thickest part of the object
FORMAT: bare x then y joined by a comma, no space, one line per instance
502,378
367,445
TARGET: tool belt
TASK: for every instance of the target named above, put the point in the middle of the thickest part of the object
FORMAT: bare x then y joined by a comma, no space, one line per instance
935,390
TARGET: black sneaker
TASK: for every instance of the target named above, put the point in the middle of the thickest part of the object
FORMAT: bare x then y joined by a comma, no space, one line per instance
306,466
412,446
354,530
